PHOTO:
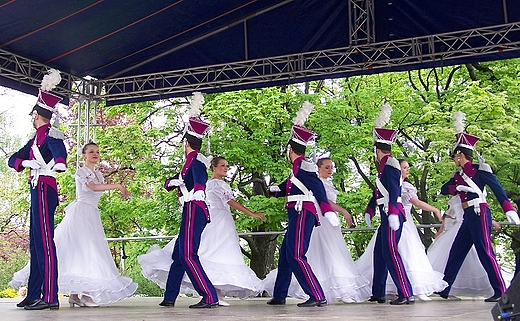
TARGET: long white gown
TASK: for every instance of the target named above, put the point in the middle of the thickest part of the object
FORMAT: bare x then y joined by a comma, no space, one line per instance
424,279
85,265
219,252
332,263
472,279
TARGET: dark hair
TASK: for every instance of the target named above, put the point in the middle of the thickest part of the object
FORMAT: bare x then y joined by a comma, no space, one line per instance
321,160
215,161
299,149
401,160
467,152
195,143
84,149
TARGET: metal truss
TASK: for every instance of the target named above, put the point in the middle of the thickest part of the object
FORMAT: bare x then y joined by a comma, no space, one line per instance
359,59
361,25
29,72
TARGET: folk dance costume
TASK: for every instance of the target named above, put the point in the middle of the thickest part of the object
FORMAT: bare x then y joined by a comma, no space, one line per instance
332,263
84,260
192,184
424,279
45,154
219,251
306,198
469,182
387,196
471,279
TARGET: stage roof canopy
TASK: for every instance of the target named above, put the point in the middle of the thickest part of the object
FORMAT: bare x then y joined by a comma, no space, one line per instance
136,50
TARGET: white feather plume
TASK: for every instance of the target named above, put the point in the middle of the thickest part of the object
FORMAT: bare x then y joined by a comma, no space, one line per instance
459,119
51,80
196,104
303,114
384,115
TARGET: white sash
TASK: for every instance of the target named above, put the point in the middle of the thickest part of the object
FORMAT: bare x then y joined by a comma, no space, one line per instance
45,169
386,197
307,196
481,196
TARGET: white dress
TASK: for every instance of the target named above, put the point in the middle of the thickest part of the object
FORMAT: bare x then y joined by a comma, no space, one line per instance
331,262
85,264
219,251
424,279
472,279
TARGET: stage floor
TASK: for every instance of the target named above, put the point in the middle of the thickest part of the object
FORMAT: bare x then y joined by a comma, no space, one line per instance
147,309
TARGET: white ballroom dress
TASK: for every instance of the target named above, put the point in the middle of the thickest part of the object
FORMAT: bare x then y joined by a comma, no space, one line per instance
424,279
472,279
219,252
330,260
85,264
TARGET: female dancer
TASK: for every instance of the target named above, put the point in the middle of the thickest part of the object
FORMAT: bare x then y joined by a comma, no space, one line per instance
219,251
85,264
472,279
329,256
422,276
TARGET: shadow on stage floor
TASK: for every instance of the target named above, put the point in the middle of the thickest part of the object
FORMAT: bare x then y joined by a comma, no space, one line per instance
147,309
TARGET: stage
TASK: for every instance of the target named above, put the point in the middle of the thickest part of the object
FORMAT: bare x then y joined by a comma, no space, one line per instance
147,309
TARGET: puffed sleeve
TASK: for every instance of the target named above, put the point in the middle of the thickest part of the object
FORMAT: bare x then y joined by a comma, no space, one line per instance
82,177
408,192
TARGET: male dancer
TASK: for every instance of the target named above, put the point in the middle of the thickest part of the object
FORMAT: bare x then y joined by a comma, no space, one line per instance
44,154
306,198
469,182
192,185
388,196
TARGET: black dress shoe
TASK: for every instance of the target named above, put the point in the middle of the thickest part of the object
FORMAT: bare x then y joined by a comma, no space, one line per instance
442,295
312,303
274,301
401,301
165,303
202,305
494,298
41,305
377,299
25,302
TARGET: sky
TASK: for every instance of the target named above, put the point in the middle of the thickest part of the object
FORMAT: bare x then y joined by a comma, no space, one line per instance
16,106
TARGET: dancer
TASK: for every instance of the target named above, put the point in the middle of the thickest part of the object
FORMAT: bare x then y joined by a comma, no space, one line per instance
472,279
329,256
424,279
219,252
387,195
84,260
469,182
305,198
191,183
44,155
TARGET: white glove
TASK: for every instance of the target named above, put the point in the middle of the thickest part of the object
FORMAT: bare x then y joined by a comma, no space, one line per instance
175,182
332,218
33,164
199,195
464,188
393,222
512,217
368,219
274,189
59,167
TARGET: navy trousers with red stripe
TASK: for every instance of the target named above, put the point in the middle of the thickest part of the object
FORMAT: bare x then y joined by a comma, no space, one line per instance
475,230
186,259
292,257
43,275
387,259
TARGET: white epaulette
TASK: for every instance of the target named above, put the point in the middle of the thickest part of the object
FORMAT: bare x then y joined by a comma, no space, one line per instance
485,167
56,133
392,161
309,166
204,160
